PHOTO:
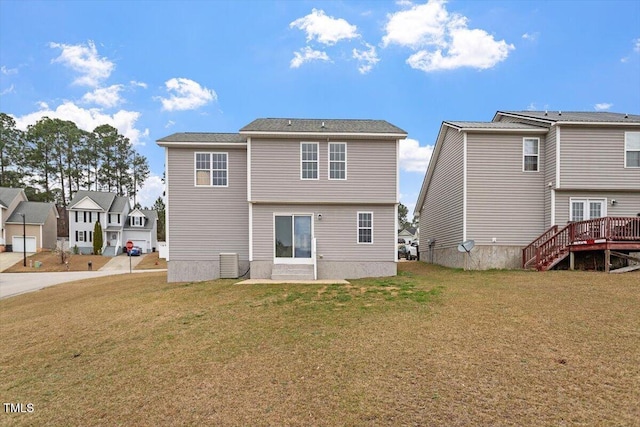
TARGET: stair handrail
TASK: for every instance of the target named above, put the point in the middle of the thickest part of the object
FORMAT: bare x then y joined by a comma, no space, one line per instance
315,259
529,252
555,244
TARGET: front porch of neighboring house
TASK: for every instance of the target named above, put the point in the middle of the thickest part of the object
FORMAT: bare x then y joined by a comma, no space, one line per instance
112,242
595,243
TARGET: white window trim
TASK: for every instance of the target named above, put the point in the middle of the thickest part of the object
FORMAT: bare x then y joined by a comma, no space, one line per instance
524,155
586,202
626,150
292,260
329,161
195,170
317,161
358,228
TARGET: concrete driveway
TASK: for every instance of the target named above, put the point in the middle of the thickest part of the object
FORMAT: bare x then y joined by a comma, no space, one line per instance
12,284
7,259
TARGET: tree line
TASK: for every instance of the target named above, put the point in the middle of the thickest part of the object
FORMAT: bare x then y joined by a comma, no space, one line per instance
53,159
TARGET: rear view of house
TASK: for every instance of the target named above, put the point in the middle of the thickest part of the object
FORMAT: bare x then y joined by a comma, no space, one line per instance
283,199
526,175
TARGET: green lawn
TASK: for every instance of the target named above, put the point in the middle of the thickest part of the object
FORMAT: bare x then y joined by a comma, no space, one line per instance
431,346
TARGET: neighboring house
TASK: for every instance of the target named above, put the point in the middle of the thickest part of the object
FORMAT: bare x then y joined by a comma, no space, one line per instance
284,199
409,234
37,229
504,183
113,212
142,229
9,199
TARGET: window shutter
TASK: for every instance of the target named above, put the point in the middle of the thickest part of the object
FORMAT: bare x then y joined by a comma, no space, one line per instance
76,231
76,216
84,235
91,236
98,216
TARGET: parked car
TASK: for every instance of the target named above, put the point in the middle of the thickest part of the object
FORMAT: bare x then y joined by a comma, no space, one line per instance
135,251
402,252
411,251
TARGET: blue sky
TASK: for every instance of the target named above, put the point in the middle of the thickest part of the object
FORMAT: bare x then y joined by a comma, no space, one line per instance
157,67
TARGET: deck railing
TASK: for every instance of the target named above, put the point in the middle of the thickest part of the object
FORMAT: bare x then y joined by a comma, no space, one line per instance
529,253
589,232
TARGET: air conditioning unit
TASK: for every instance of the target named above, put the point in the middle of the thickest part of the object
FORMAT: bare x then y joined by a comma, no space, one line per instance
229,266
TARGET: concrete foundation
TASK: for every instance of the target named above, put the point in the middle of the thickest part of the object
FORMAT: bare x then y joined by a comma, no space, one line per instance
482,257
198,271
334,269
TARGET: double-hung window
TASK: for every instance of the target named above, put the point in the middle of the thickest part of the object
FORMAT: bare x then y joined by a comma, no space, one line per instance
308,160
337,160
530,154
365,227
211,170
632,149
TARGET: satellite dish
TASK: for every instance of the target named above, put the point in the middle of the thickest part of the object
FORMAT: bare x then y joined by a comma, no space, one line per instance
466,246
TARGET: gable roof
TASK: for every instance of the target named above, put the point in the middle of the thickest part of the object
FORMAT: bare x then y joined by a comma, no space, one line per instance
572,116
151,215
101,198
7,195
328,126
470,126
35,213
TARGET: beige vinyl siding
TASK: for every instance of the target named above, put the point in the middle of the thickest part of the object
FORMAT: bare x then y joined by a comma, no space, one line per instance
335,233
207,220
275,172
593,159
627,203
503,201
441,214
549,165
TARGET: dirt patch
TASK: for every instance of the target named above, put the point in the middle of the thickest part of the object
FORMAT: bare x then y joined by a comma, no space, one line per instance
152,261
50,262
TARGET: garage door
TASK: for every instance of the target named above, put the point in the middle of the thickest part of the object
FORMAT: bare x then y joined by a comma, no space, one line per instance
18,242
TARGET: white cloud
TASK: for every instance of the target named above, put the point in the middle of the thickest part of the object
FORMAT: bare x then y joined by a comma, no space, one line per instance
325,29
105,97
306,54
530,36
367,58
603,106
169,124
8,71
85,60
413,157
442,41
140,84
531,107
152,189
186,94
88,119
10,89
636,45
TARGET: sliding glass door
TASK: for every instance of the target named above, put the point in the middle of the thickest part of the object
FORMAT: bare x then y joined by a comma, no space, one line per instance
293,235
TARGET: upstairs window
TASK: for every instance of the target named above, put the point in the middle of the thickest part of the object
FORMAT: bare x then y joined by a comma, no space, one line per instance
337,160
309,160
365,227
136,221
530,154
211,170
632,149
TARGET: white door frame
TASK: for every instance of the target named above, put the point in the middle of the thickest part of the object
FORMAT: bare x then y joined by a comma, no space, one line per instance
586,205
292,260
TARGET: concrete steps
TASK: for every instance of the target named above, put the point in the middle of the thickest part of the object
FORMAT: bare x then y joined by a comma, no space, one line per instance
292,272
109,251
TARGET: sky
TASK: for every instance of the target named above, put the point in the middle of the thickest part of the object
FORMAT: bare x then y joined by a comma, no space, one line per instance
153,68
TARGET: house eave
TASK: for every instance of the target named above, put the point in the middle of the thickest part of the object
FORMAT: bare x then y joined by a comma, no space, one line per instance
322,135
188,144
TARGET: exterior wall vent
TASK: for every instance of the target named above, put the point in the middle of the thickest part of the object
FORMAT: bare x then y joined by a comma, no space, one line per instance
229,266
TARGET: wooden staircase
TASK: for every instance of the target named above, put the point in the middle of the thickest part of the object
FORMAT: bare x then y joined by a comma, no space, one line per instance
554,245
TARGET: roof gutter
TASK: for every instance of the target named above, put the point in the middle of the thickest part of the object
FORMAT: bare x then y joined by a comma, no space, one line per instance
193,144
325,134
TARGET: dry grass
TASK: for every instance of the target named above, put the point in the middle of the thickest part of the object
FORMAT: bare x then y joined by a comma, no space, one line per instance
51,262
151,261
429,347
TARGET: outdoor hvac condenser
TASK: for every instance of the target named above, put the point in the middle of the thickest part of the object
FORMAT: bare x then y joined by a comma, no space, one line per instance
228,266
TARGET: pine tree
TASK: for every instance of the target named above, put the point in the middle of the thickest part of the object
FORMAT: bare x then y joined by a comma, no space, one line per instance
97,238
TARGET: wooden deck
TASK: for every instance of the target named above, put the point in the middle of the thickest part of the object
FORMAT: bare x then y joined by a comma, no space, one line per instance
613,236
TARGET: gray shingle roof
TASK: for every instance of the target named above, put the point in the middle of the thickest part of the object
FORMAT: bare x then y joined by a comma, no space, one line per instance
493,125
204,137
36,212
118,204
315,125
151,215
7,195
103,199
577,116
